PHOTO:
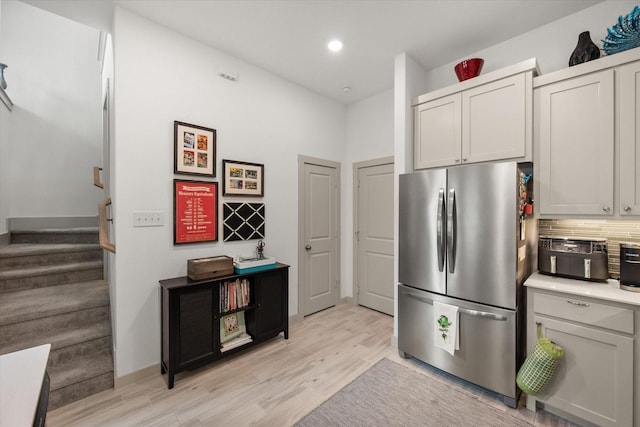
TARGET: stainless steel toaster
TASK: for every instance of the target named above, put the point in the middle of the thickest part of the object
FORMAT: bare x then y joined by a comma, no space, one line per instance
583,258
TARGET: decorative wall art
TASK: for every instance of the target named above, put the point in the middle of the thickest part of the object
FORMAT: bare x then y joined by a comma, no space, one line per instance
195,216
243,221
195,149
242,178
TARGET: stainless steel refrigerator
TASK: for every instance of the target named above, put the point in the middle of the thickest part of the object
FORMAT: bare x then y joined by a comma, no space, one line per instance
466,239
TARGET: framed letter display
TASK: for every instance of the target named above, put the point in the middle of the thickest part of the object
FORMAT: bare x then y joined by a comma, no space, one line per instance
194,149
195,216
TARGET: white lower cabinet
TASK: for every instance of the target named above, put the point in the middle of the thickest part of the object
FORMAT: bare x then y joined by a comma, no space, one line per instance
595,379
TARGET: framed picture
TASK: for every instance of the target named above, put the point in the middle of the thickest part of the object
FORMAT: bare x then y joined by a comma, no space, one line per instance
194,150
242,221
242,178
231,326
195,216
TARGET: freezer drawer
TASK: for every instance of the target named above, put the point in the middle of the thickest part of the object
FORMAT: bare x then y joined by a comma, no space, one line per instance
487,355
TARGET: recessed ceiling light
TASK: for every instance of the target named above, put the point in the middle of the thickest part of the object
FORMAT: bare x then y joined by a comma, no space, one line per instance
346,89
335,45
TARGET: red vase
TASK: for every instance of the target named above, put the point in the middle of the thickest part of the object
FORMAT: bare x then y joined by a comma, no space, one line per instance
469,68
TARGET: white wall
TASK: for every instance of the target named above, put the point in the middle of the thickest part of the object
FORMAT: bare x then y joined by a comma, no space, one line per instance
551,44
161,76
4,152
5,116
369,136
409,79
55,139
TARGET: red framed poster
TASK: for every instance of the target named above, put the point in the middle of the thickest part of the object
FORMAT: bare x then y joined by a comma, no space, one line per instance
195,216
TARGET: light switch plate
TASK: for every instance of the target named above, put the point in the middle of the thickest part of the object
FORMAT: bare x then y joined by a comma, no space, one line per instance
148,219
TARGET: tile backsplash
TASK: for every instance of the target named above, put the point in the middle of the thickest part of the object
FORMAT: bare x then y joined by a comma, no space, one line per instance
615,231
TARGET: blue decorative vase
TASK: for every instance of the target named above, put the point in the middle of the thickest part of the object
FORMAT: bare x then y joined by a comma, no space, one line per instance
586,50
625,34
3,83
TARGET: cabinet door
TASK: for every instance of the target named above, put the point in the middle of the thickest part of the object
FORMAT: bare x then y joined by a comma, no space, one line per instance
576,145
437,133
629,111
496,121
594,379
272,300
196,337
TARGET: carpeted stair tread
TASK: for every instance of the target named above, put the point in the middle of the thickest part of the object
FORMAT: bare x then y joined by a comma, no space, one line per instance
75,230
21,256
55,235
58,337
21,306
77,391
49,269
26,249
79,369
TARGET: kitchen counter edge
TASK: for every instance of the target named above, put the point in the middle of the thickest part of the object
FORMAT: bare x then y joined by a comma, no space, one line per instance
609,290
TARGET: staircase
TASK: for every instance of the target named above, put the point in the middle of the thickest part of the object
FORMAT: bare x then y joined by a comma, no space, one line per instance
52,291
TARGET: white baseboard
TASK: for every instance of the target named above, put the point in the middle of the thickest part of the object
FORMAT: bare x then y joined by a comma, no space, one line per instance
136,376
347,300
5,239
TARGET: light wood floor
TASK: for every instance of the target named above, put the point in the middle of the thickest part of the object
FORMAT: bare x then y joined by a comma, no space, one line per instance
274,384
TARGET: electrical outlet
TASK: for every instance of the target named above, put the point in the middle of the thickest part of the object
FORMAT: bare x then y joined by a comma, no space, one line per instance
148,219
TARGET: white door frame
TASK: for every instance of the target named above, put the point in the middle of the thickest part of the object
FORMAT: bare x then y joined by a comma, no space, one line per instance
302,160
356,168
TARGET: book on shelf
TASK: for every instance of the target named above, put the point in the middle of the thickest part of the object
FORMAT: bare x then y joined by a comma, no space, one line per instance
241,339
234,294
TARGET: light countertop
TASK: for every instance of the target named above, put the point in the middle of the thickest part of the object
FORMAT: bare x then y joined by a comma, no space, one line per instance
21,375
609,290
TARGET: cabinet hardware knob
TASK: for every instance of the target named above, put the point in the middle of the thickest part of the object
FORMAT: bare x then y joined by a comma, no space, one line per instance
308,247
464,159
627,208
606,208
457,160
579,304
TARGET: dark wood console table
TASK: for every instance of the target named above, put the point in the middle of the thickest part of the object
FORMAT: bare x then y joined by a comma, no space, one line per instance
193,311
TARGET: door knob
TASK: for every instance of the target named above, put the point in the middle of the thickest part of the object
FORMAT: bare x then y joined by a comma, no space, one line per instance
307,247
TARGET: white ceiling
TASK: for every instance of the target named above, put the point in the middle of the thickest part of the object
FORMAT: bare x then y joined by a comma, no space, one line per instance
289,37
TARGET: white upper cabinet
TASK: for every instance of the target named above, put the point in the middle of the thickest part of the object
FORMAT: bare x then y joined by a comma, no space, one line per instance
586,138
629,119
496,120
483,119
576,140
438,127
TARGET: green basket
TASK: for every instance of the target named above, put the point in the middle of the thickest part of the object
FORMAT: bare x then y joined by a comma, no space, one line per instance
538,368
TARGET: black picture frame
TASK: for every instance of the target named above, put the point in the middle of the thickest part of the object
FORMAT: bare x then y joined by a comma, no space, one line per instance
242,178
194,149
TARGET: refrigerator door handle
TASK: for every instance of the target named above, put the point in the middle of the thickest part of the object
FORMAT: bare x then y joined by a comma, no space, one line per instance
470,312
451,226
440,234
483,314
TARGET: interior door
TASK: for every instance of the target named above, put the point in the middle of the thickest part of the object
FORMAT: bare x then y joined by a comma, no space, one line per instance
320,217
374,237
